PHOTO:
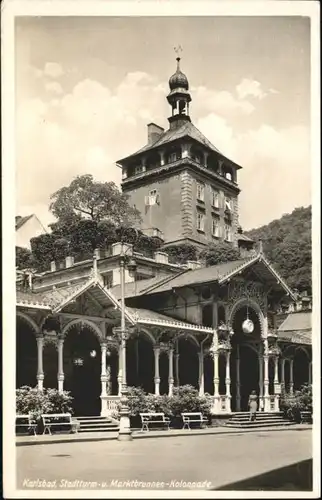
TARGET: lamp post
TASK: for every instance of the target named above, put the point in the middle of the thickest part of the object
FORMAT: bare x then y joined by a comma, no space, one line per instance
125,428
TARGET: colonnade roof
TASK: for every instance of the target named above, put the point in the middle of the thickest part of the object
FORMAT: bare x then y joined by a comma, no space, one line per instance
222,273
296,328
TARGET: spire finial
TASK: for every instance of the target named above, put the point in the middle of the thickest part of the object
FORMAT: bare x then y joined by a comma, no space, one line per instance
178,49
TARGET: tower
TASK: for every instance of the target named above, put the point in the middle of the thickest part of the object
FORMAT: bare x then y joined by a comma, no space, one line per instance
181,183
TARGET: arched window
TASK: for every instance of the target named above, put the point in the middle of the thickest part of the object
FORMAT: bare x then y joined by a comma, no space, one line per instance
221,315
207,315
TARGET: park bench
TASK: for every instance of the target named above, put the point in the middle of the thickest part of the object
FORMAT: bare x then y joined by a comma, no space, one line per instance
157,419
58,421
193,418
306,417
26,422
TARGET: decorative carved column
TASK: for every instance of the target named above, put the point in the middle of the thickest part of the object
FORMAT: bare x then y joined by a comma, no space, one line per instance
266,377
310,372
261,388
216,380
282,362
227,381
201,373
119,375
40,368
156,350
276,383
176,360
60,374
103,378
237,379
162,157
171,379
291,364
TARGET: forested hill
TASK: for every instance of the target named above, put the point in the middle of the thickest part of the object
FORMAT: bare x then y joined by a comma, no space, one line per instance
287,245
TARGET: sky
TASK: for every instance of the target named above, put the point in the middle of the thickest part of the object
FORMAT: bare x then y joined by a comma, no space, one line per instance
87,87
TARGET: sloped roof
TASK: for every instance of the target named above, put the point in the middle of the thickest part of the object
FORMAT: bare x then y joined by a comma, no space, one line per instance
20,221
297,321
146,316
140,287
49,298
188,129
243,237
202,275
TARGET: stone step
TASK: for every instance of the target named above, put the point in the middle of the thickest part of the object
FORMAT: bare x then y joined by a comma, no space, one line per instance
94,421
113,428
99,424
246,418
255,425
91,417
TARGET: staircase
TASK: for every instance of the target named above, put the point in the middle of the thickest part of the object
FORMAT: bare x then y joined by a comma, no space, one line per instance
241,420
97,424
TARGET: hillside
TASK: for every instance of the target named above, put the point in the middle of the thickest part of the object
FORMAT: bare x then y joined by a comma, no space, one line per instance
287,245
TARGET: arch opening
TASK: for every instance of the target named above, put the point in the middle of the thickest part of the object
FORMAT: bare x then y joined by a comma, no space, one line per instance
26,354
82,366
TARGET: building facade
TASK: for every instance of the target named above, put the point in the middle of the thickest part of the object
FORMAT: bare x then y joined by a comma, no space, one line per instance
225,329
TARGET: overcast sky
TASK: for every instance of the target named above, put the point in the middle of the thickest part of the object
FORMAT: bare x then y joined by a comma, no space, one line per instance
87,87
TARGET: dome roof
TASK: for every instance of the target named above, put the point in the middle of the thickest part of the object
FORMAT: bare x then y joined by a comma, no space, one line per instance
178,79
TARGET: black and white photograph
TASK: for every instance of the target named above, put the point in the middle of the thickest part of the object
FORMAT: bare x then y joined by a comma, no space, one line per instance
161,242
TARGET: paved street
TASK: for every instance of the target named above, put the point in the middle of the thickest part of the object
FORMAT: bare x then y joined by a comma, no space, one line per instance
211,461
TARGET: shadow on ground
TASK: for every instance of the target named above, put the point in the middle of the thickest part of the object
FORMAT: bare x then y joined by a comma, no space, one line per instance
295,477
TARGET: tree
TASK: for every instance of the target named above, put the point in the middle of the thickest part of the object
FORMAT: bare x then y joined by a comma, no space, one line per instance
216,253
23,258
287,245
85,198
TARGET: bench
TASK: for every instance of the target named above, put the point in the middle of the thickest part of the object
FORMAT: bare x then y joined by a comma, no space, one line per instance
306,417
26,422
58,421
193,417
156,419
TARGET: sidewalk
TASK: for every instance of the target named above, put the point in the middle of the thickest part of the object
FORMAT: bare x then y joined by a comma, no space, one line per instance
137,434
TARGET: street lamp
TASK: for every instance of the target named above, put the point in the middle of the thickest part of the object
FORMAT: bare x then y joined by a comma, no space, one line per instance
125,428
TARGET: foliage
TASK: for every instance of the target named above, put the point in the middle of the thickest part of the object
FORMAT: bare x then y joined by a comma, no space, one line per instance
293,404
43,251
29,400
184,398
180,254
23,258
216,253
287,245
93,200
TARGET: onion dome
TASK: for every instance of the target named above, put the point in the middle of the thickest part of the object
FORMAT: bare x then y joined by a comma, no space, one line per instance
178,79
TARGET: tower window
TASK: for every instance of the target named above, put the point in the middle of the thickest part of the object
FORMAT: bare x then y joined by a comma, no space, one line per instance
228,232
215,198
215,227
228,203
153,198
200,221
200,191
138,169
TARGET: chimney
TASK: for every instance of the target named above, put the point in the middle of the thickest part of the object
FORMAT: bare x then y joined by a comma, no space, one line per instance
53,266
194,264
161,257
69,261
154,132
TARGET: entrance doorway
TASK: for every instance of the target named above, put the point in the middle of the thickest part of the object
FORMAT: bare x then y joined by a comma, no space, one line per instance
82,366
249,374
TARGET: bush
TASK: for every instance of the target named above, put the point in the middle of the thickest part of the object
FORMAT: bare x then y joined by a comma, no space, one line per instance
293,404
184,399
29,400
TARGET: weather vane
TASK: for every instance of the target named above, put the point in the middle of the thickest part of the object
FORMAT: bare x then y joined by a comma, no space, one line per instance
178,49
